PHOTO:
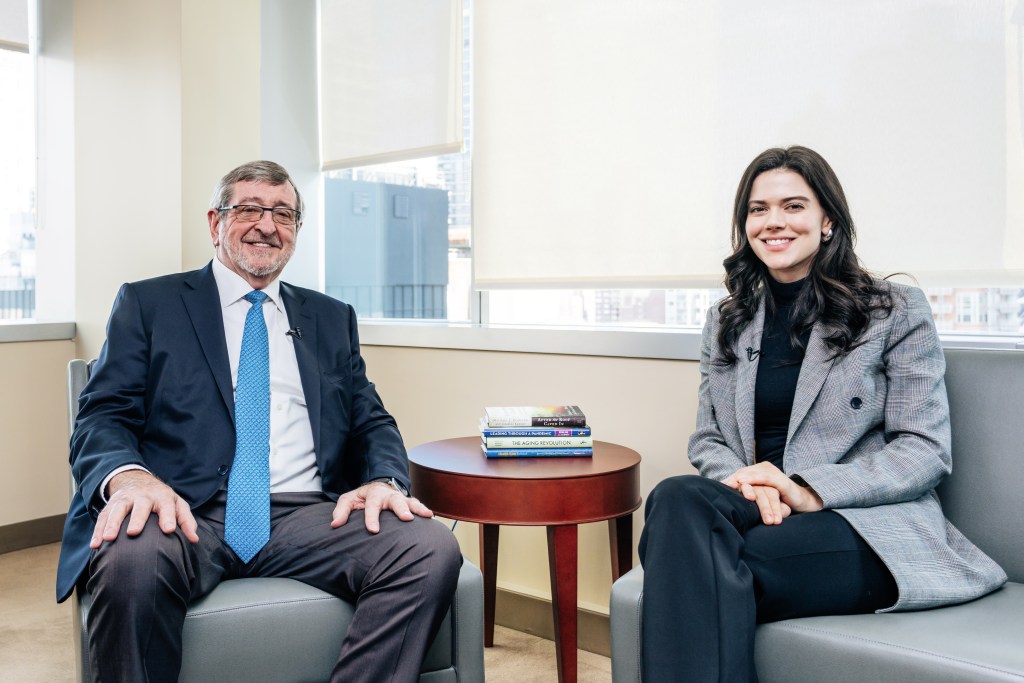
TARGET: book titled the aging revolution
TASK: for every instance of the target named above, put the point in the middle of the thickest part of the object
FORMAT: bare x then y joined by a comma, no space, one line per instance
535,416
538,441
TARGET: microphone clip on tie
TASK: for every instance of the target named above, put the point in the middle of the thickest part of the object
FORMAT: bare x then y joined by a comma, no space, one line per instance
752,354
295,332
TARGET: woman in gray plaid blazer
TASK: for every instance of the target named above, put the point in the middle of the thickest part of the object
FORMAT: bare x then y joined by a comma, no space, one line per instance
822,432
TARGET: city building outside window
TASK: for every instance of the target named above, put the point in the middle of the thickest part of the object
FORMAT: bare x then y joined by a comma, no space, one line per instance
17,186
397,236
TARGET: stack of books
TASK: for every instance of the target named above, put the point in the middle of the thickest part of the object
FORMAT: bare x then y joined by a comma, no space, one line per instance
535,432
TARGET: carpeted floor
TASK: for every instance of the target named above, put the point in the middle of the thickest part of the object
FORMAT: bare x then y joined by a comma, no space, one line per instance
35,633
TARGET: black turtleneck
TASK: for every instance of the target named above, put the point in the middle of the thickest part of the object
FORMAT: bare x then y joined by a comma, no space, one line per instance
777,372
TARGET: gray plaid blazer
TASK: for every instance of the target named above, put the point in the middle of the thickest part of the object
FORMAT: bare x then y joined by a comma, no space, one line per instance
869,432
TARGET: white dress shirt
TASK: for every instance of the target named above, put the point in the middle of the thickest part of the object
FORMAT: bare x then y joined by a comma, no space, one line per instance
292,460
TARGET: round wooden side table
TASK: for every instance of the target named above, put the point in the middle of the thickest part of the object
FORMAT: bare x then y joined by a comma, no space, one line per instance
454,479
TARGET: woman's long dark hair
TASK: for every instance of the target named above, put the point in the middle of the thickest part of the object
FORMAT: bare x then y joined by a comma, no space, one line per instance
839,292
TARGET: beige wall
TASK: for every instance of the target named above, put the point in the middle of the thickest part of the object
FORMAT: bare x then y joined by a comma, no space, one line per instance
33,430
648,405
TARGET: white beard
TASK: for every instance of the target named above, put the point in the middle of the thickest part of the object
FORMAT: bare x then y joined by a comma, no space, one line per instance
238,255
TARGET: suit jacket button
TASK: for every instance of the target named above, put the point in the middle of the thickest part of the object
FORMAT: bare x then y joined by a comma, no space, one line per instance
222,470
856,402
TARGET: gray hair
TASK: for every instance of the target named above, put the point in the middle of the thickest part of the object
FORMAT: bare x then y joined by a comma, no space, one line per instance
257,172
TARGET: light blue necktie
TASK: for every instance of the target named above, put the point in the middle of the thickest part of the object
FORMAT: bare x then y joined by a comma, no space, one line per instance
247,519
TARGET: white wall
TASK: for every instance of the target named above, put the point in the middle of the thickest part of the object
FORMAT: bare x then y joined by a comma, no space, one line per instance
160,115
220,111
127,152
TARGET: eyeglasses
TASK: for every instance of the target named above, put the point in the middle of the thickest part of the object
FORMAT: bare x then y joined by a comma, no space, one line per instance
250,213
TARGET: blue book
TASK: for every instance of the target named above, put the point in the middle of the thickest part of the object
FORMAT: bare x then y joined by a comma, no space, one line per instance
537,452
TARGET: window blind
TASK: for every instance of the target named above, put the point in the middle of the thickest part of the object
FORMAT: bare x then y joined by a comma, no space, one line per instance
14,25
610,135
390,80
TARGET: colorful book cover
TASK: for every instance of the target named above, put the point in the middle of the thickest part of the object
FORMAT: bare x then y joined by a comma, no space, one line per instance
536,452
538,441
535,416
524,432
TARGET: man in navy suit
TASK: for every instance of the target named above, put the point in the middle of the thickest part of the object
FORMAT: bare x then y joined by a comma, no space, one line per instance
155,445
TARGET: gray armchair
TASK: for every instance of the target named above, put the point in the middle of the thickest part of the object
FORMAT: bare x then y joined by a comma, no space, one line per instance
974,641
284,631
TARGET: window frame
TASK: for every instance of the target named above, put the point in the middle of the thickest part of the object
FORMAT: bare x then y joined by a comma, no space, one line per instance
667,343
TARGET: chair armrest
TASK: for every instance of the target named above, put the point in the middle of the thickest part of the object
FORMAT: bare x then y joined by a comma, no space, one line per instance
626,626
468,623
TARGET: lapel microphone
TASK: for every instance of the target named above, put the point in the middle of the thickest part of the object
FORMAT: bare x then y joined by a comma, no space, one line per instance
752,354
297,333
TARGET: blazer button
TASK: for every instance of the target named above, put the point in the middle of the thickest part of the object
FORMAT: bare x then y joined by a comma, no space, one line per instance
222,470
856,403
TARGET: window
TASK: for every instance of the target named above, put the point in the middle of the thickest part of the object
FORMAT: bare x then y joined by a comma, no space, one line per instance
397,235
397,238
684,308
591,169
993,310
17,187
670,157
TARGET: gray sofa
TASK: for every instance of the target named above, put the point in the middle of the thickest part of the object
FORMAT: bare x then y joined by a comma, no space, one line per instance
283,631
981,640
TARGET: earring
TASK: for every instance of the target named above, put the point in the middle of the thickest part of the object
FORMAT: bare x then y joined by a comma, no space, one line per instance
826,237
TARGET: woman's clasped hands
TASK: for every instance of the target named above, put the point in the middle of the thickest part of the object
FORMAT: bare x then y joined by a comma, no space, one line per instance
777,496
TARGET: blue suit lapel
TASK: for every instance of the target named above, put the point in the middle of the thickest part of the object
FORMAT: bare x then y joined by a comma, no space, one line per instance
302,317
202,301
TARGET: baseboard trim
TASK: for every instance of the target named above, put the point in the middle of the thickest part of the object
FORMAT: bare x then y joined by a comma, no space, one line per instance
533,615
31,533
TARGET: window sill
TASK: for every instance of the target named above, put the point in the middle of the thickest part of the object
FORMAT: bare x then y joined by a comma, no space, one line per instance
658,343
33,330
654,343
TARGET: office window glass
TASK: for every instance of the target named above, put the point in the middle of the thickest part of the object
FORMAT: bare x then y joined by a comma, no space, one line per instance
397,236
17,186
592,173
978,310
956,310
683,308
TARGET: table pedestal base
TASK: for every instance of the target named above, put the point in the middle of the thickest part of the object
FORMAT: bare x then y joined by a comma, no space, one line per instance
563,563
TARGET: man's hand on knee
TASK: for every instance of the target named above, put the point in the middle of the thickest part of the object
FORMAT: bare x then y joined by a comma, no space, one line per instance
136,494
374,497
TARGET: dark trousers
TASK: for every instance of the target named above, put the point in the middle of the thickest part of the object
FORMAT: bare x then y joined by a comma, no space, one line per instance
713,571
401,580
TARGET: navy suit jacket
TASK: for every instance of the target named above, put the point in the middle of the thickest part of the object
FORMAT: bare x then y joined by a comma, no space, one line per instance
160,396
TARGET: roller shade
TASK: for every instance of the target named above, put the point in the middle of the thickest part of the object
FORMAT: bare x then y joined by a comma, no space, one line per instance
390,80
610,134
14,25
